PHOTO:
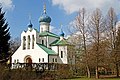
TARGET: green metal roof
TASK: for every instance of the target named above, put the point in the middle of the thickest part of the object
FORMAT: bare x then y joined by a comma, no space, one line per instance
59,42
46,33
47,50
36,30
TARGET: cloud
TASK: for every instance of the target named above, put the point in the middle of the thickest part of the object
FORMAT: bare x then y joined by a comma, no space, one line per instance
7,4
71,6
54,30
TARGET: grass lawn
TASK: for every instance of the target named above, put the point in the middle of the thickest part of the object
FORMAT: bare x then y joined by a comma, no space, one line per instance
94,79
101,78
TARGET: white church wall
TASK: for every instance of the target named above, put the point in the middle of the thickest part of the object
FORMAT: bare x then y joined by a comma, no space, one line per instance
20,53
32,33
43,41
16,55
37,38
41,55
36,55
53,59
62,55
44,27
55,48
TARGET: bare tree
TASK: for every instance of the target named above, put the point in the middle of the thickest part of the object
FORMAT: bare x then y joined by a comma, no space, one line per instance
96,27
14,44
81,26
102,36
111,26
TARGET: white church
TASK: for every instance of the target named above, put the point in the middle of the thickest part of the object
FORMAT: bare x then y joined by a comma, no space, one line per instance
43,46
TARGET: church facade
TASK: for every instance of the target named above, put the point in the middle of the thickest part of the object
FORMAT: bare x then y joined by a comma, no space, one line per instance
43,46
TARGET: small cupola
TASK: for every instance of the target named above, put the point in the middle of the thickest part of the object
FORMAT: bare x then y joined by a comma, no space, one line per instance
30,25
62,35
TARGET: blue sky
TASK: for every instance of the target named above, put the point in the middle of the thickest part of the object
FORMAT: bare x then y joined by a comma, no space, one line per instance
61,12
18,18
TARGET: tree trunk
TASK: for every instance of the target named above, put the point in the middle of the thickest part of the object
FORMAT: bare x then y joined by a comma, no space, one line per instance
88,72
97,75
117,70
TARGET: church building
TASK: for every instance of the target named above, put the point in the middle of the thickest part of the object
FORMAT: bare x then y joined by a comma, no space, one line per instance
43,46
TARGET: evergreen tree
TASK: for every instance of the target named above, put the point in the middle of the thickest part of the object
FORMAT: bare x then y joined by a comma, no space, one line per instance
4,36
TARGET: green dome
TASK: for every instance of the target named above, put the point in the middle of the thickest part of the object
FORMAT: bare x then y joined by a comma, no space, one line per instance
45,18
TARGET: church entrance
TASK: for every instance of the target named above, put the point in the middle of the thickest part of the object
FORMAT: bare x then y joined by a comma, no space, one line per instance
28,61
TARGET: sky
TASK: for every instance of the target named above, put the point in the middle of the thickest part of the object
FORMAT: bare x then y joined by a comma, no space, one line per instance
61,12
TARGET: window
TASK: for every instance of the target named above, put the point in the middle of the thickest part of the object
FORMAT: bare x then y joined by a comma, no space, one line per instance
42,59
17,60
39,59
43,42
53,59
33,39
14,60
24,42
41,29
61,54
29,42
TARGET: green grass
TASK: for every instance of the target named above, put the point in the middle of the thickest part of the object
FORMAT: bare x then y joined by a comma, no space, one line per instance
93,79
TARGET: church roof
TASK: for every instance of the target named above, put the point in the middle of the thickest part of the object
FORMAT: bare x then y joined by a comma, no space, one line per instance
47,50
59,42
46,33
36,30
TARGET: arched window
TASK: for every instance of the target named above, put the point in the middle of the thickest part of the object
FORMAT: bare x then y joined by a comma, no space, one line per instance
41,29
42,59
43,42
17,60
33,39
39,59
61,54
28,41
24,42
53,59
14,60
